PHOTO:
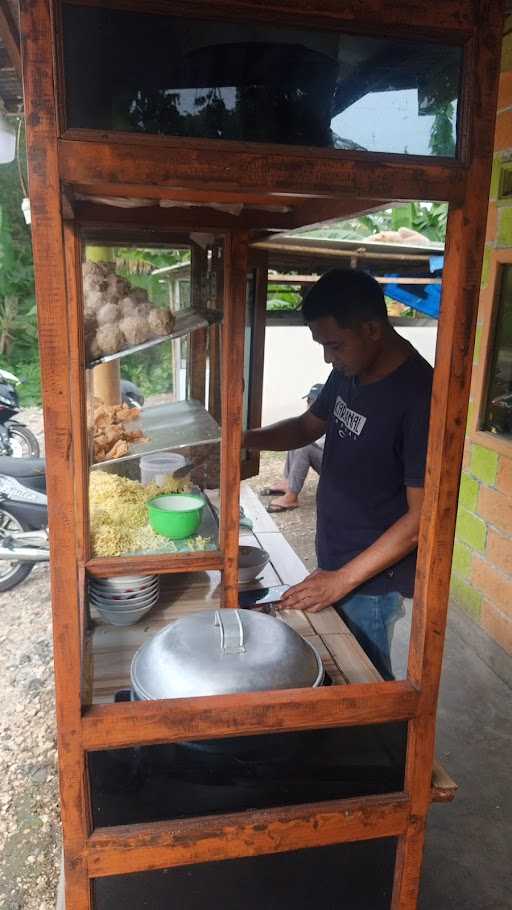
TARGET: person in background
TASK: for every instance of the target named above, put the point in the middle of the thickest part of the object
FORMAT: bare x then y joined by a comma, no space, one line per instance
374,412
298,463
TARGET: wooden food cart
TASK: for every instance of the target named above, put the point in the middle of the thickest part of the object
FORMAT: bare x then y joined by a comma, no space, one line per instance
201,128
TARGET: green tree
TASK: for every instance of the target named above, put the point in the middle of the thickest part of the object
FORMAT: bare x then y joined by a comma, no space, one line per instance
442,141
19,351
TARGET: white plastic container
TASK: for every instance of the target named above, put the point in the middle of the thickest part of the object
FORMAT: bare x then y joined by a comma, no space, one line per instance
157,467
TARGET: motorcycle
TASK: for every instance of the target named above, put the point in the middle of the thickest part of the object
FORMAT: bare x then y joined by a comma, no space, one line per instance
23,518
24,509
15,438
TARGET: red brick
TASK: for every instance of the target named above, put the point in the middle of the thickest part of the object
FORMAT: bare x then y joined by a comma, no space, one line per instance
505,90
503,134
504,478
495,508
499,551
497,625
492,222
495,585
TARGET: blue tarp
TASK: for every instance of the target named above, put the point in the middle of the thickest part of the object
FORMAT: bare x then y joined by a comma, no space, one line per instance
426,298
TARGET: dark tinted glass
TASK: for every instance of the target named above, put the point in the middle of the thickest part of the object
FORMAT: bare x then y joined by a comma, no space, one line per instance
217,80
155,783
344,877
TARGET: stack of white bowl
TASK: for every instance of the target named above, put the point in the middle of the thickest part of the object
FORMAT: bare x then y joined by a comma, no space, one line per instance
124,600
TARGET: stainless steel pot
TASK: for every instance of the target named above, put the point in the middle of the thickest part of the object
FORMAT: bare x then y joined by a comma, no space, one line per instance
216,652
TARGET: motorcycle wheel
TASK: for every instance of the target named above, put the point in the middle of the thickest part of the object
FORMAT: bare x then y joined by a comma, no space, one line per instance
23,442
12,573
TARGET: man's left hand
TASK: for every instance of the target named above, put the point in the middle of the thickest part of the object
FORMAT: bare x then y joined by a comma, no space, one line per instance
319,590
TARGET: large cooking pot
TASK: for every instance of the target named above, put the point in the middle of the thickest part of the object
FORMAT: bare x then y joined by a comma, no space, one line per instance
216,652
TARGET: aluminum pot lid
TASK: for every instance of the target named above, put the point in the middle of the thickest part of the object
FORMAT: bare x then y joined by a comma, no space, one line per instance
216,652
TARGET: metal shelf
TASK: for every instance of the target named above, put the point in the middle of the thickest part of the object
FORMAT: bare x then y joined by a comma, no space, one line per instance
170,426
186,322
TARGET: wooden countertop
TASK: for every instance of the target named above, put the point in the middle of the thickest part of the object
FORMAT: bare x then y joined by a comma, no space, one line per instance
113,646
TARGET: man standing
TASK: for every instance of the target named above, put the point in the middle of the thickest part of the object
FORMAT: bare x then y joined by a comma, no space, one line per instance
374,412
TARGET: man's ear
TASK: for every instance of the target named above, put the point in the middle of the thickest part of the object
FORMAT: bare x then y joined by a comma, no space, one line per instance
374,329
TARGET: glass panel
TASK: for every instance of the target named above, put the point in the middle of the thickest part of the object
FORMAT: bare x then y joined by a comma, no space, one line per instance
218,80
498,413
155,783
248,348
153,391
352,876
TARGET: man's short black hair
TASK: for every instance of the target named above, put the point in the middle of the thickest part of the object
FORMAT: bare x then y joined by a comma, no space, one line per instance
350,296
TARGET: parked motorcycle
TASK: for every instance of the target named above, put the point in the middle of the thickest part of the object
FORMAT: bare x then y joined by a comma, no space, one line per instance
24,510
15,438
23,518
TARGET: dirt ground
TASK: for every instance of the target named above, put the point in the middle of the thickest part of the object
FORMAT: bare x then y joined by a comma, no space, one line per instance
29,813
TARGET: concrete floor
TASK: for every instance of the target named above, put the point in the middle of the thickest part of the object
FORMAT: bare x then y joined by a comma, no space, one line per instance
468,856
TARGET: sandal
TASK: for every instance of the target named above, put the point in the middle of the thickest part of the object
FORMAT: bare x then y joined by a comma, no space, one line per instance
272,508
271,491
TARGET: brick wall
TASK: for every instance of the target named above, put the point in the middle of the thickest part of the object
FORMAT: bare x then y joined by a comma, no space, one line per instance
482,559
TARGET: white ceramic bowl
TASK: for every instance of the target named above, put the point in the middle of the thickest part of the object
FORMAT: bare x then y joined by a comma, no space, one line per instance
133,603
124,583
251,562
120,594
123,618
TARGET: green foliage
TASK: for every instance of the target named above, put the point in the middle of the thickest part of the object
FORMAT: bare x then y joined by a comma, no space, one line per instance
137,264
441,136
19,351
428,218
283,297
150,370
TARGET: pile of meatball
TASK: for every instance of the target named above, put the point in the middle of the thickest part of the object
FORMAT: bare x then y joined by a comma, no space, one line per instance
118,315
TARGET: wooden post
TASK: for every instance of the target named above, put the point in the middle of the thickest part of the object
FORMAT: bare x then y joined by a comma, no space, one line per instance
236,252
198,343
454,360
49,262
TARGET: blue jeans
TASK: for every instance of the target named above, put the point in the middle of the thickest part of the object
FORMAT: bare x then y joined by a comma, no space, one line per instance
371,619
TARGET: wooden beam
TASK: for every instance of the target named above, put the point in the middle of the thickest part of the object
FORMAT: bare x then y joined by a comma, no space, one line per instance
191,194
147,723
287,245
196,217
150,168
236,253
10,36
209,560
447,18
135,848
312,279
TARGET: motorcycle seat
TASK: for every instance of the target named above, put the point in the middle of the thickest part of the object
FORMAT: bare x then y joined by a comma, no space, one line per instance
21,467
28,471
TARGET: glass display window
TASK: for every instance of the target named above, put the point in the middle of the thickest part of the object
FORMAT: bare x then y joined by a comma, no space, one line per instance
206,79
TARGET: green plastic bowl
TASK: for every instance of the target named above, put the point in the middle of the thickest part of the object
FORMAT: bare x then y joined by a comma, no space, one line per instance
177,515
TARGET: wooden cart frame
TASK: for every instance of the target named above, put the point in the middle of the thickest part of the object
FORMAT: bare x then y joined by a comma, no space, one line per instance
331,184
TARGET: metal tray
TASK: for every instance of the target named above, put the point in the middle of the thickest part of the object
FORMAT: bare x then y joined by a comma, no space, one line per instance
170,426
186,322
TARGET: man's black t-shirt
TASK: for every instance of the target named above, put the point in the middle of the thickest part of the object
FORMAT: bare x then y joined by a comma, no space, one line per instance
375,447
